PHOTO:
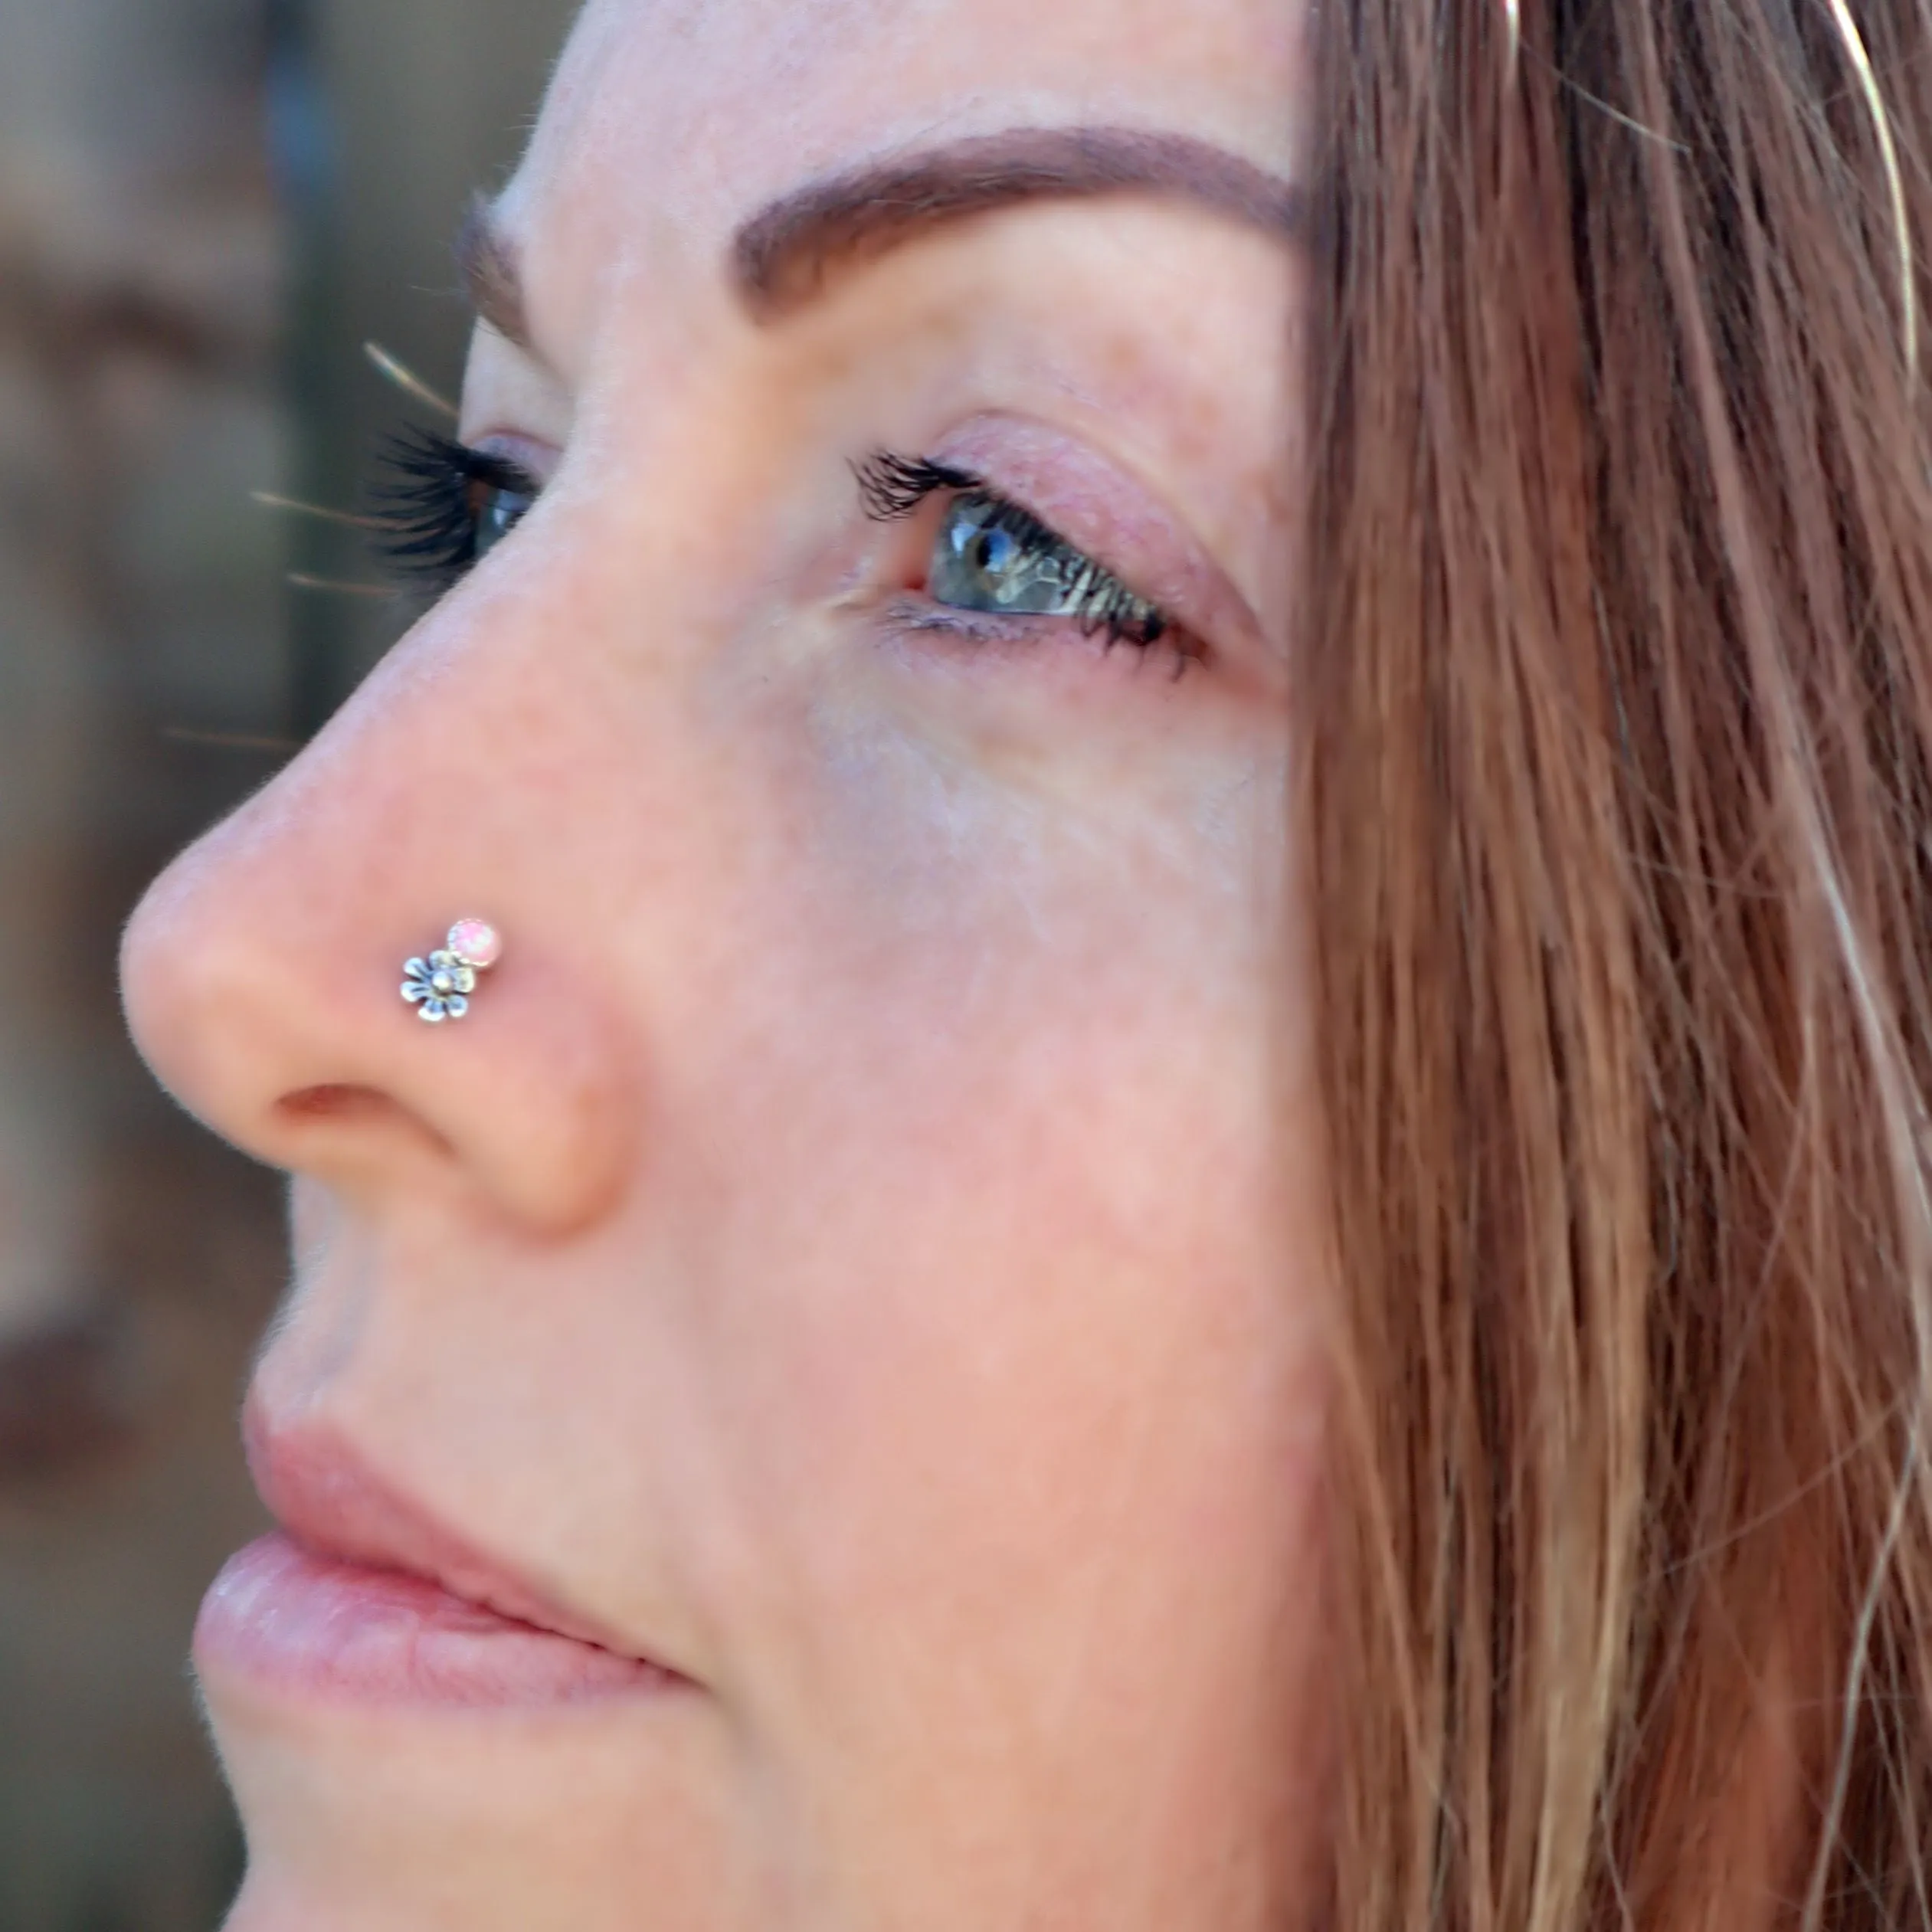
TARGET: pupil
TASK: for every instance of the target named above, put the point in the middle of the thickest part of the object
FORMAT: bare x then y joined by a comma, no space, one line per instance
993,551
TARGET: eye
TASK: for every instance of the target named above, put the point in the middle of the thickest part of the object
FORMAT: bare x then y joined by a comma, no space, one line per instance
991,554
443,506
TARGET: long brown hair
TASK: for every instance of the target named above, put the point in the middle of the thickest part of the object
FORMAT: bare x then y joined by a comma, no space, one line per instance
1618,692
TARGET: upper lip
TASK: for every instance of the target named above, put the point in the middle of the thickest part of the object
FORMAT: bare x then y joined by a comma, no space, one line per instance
329,1499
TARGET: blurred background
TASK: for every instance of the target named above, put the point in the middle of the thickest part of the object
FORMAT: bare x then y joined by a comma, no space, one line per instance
207,209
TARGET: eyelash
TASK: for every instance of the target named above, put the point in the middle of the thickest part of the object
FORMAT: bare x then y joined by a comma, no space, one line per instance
430,503
892,487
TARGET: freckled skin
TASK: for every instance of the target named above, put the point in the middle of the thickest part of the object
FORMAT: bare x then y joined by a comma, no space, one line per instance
864,1243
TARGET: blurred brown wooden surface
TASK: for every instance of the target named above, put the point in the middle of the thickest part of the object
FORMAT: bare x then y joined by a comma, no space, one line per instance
155,294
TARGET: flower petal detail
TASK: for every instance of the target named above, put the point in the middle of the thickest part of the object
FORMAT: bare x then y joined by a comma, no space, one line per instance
439,987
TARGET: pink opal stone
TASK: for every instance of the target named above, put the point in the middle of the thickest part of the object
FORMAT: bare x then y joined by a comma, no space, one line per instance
475,942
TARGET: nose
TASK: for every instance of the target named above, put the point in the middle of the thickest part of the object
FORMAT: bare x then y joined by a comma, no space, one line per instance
262,973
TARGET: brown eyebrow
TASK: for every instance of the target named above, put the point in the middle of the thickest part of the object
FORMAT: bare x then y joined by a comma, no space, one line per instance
787,253
491,275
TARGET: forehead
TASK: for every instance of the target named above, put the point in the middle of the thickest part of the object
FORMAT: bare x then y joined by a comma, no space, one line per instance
687,115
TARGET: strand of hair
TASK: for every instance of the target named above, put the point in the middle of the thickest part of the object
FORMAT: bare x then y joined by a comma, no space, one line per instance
270,501
406,380
301,580
1860,58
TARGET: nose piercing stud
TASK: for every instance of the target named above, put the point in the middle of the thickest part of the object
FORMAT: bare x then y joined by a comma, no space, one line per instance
439,987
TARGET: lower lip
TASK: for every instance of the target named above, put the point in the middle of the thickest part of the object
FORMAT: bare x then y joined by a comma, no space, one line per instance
342,1632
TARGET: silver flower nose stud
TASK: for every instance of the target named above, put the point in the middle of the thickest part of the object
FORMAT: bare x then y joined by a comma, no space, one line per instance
439,987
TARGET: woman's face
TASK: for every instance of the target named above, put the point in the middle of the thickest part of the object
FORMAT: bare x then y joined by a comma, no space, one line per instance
862,1250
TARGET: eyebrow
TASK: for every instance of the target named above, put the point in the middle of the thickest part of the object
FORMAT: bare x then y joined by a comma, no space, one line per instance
492,276
788,254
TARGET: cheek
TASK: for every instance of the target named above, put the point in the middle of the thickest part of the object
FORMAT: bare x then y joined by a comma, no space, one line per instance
1047,1018
1004,1314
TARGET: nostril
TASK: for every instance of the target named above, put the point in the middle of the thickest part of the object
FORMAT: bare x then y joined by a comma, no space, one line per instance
361,1111
345,1105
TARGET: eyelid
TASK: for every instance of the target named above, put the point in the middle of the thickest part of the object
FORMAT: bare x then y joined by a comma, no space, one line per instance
536,460
1025,633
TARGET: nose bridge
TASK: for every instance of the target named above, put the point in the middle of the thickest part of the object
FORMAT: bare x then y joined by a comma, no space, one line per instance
263,972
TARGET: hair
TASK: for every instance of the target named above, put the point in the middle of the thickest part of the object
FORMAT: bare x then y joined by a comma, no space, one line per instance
1617,693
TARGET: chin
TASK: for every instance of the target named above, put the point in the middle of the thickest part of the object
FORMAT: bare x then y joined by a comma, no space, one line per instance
434,1819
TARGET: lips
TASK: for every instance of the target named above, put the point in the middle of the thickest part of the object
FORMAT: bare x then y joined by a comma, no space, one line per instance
365,1598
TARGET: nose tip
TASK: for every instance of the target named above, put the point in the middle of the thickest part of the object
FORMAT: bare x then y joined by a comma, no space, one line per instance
266,995
176,982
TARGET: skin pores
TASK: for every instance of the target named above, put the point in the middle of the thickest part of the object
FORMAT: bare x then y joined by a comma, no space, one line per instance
863,1251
